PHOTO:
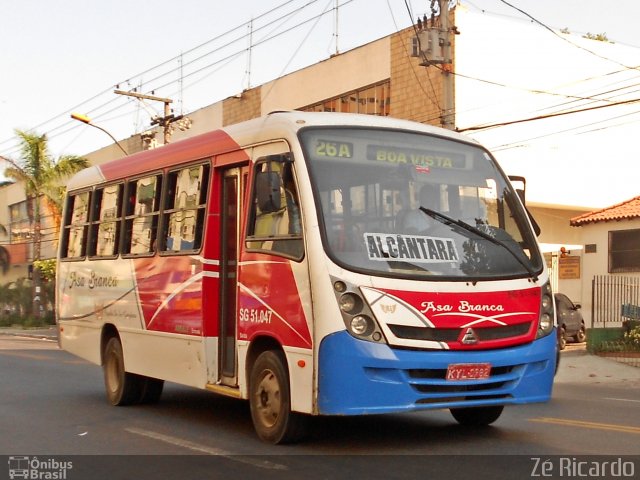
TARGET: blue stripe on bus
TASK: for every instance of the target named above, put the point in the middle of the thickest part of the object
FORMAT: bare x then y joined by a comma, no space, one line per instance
358,377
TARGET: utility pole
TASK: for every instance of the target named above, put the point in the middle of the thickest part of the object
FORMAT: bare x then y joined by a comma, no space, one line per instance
448,106
433,45
164,121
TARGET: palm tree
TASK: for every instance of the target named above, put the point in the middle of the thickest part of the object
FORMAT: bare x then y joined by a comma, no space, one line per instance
41,177
4,256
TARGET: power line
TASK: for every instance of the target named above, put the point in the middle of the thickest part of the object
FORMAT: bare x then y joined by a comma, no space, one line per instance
566,39
519,143
550,115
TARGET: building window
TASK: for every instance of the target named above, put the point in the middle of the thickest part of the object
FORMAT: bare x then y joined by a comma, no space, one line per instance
371,100
624,251
20,215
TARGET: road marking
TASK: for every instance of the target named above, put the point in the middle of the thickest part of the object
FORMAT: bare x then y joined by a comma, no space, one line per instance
21,354
180,442
622,399
583,424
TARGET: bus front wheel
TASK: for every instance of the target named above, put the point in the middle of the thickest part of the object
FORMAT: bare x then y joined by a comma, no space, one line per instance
477,416
270,401
122,388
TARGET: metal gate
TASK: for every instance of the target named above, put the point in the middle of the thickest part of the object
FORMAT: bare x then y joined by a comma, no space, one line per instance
614,299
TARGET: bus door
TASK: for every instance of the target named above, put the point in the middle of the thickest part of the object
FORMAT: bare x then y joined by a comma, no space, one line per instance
233,192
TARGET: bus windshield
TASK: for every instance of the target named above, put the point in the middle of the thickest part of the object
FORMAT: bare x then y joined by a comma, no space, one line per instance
414,205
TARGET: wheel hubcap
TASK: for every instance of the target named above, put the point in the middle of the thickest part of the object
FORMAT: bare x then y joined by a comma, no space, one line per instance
268,395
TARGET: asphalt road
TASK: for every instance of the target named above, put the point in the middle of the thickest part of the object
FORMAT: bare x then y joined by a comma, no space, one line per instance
52,405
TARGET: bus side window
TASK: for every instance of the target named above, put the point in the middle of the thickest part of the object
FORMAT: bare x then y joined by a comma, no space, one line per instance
142,209
105,221
184,209
275,222
74,240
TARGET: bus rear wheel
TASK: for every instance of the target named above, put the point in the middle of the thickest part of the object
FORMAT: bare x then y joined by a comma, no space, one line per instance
477,416
270,401
122,387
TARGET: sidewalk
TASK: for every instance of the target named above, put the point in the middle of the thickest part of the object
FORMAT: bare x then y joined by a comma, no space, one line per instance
45,333
579,366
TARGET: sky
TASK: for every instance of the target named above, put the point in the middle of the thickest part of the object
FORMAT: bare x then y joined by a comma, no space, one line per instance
64,56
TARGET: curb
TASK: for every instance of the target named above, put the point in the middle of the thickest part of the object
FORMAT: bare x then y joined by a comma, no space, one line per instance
50,334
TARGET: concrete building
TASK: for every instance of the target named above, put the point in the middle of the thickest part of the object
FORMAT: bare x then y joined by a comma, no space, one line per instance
503,70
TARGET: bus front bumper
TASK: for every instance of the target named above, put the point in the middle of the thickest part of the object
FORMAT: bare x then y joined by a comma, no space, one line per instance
358,377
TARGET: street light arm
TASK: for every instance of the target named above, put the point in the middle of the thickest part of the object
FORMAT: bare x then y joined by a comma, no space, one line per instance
87,120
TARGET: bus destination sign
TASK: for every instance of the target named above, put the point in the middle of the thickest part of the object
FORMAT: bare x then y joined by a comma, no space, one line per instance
414,156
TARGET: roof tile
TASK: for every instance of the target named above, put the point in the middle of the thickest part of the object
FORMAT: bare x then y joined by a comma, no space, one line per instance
626,210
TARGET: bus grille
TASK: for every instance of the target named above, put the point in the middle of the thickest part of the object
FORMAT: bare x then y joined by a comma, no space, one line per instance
452,334
435,388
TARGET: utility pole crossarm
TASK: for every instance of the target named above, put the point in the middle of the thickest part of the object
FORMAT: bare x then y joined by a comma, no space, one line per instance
165,121
143,96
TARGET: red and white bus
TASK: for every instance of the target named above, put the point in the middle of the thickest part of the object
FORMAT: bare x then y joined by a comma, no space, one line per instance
314,264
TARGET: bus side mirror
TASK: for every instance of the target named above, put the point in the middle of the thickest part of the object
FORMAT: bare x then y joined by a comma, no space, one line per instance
520,186
268,191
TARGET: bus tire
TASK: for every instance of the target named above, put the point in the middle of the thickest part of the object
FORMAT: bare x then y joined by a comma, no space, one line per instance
270,401
122,388
477,416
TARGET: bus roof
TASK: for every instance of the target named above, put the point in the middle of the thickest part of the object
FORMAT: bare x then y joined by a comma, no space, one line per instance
231,138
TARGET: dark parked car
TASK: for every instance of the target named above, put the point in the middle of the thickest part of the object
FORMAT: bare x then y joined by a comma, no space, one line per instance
570,321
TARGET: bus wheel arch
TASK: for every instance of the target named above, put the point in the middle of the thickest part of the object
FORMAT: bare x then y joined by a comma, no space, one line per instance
108,331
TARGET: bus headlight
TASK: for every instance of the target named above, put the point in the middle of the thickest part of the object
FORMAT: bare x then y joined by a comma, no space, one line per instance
361,325
358,318
350,303
547,312
546,322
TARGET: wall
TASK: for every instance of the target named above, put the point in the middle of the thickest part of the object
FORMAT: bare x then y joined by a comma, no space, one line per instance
341,73
416,91
243,107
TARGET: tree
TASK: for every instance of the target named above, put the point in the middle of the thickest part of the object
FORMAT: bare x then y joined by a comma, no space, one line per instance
4,255
41,177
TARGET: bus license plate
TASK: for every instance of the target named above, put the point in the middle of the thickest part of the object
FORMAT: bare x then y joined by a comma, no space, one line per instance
468,371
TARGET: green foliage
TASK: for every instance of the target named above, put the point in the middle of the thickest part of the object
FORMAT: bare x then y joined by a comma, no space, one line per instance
16,304
47,268
632,337
41,176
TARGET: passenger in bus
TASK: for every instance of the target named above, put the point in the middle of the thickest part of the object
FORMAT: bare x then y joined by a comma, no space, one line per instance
416,221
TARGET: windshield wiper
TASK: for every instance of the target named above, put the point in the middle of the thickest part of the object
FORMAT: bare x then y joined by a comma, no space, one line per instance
447,220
